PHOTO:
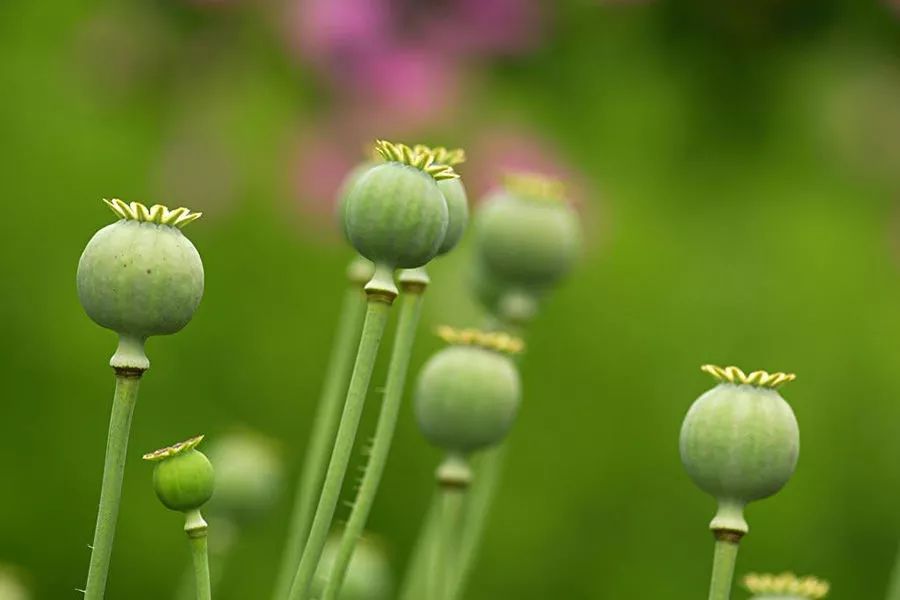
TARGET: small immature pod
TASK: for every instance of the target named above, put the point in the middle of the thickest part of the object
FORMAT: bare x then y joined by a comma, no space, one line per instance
141,277
740,442
528,236
368,576
183,478
395,215
785,586
249,476
468,394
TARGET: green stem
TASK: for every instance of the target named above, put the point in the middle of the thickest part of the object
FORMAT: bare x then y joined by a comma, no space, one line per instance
416,576
377,311
724,559
384,434
445,549
196,530
219,551
127,384
476,513
318,451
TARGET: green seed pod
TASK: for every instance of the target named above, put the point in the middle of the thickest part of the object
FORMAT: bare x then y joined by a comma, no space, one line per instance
786,586
454,193
249,476
368,576
347,185
183,478
468,394
140,277
395,215
11,584
526,234
740,442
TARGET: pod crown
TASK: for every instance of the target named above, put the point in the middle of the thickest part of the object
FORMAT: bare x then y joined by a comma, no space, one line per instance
174,449
159,214
490,340
535,186
786,584
756,378
420,157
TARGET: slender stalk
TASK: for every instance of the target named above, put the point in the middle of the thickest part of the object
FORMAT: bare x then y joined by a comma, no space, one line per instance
219,552
415,578
318,451
453,477
127,384
196,530
408,321
724,559
476,513
377,311
445,549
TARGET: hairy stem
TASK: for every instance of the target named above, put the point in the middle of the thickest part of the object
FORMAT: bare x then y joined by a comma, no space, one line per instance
318,451
476,513
724,559
127,384
377,311
410,311
196,530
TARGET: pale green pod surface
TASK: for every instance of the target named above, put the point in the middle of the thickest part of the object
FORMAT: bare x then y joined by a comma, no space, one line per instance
368,576
140,278
249,476
467,398
526,242
740,442
183,478
458,212
347,185
396,215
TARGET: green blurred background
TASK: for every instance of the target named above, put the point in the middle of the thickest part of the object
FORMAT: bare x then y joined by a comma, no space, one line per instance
738,167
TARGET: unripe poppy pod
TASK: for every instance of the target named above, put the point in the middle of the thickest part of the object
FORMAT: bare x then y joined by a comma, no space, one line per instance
785,586
368,575
468,395
454,194
527,234
183,478
740,441
248,476
140,276
395,215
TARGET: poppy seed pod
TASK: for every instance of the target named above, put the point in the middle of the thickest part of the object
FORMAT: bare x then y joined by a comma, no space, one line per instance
785,586
368,575
140,277
248,476
527,235
740,442
395,215
454,194
468,394
183,478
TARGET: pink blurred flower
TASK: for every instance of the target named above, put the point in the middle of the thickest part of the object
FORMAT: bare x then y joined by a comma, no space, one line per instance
478,27
336,34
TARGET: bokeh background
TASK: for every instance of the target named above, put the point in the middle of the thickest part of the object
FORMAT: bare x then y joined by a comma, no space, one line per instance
738,169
